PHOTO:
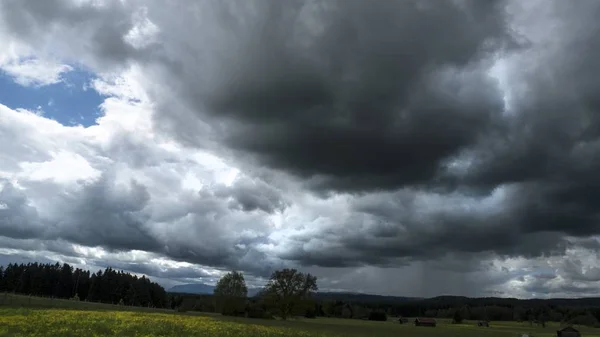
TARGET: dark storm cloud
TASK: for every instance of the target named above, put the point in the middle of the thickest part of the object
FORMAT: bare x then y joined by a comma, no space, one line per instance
451,275
394,228
56,246
225,257
101,214
575,270
539,286
356,95
105,27
544,155
107,214
203,229
249,195
587,243
545,276
5,259
551,151
554,133
349,96
36,250
17,218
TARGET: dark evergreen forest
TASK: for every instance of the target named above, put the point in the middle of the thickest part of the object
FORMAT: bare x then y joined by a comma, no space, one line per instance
64,281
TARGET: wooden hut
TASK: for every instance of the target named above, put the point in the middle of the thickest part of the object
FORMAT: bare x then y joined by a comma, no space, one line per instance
568,332
425,321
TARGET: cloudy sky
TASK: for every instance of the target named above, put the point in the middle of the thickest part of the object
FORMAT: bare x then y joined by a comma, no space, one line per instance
412,148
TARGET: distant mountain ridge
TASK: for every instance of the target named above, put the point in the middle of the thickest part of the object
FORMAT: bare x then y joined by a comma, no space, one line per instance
192,288
455,301
203,289
363,297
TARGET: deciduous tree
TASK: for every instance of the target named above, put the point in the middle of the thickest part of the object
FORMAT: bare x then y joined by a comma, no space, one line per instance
288,288
231,293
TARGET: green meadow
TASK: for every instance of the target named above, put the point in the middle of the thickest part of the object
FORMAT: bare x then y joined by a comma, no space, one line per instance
34,316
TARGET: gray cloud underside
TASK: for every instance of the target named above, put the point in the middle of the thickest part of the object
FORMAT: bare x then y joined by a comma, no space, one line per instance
111,216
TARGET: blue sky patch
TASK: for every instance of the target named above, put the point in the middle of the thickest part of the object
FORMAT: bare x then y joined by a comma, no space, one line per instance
69,102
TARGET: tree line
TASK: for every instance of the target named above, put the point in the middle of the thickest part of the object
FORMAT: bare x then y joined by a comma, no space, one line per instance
64,281
321,305
292,293
288,292
534,312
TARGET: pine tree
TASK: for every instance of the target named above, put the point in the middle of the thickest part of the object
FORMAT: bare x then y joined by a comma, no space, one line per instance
457,318
62,281
2,280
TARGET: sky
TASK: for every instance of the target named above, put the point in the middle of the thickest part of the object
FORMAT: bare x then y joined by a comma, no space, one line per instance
410,148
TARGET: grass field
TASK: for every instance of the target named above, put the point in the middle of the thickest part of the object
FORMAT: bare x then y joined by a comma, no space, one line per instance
23,301
24,316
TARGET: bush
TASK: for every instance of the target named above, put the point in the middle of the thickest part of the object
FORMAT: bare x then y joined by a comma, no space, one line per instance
232,311
378,316
232,306
586,319
181,308
310,313
188,304
258,311
457,318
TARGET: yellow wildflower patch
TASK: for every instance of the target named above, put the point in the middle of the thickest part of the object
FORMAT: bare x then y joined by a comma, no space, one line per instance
23,322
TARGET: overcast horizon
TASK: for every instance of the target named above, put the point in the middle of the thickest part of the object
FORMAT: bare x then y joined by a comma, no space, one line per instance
407,148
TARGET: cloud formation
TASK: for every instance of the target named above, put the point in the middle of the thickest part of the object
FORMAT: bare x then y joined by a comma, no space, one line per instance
348,95
347,137
32,72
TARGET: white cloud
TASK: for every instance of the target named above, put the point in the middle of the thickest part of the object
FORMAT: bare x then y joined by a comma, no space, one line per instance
35,72
143,32
63,168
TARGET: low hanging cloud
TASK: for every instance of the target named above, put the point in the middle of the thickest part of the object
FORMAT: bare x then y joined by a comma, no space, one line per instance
378,138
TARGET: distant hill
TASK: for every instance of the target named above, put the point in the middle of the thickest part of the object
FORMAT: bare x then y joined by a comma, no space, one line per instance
415,303
192,288
202,289
363,298
205,289
508,301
